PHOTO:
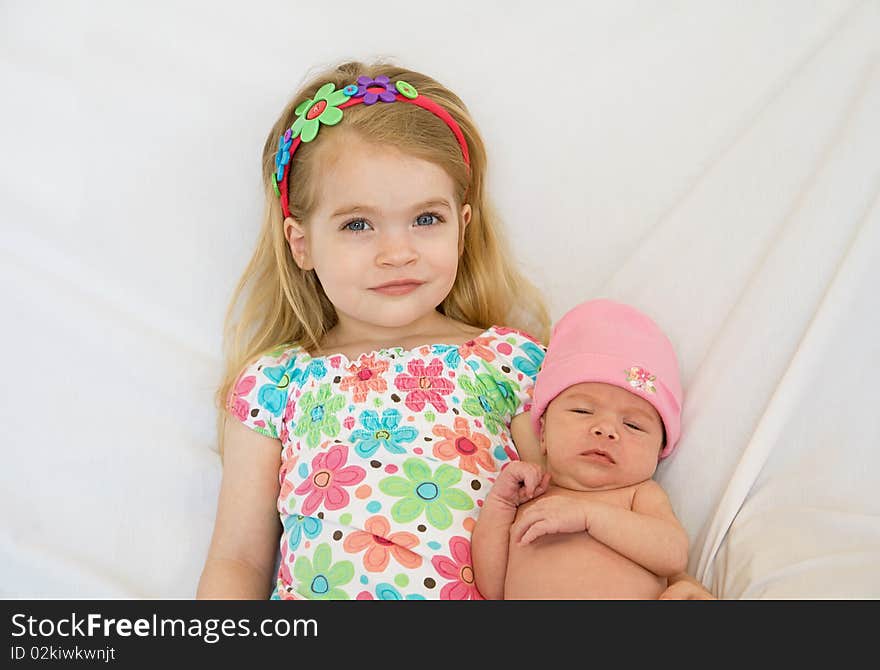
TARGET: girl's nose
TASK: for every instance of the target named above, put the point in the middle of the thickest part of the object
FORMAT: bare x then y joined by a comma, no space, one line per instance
396,249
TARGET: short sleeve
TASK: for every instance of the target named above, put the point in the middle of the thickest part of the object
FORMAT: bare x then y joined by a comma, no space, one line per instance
259,398
520,358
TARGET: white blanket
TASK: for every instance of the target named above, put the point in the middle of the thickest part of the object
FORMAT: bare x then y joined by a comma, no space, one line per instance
715,164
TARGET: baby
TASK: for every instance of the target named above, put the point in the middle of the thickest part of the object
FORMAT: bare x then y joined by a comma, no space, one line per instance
607,406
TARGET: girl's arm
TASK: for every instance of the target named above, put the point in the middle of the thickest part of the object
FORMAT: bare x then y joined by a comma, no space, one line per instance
648,534
524,439
241,558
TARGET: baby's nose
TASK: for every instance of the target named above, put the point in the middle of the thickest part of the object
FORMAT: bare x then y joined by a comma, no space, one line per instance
604,431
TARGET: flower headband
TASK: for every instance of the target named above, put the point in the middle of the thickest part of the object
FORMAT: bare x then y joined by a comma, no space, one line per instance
326,108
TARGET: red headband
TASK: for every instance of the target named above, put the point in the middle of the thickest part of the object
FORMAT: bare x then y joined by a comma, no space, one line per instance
326,108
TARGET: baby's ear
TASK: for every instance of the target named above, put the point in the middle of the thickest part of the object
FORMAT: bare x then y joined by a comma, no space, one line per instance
295,233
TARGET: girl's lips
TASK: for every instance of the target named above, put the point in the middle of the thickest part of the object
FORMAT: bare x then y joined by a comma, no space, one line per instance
397,288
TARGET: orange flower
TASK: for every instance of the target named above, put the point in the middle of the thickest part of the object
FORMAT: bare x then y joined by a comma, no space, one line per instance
381,545
479,346
365,377
471,449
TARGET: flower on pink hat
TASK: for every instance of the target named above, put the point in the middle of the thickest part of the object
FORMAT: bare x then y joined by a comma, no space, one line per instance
641,379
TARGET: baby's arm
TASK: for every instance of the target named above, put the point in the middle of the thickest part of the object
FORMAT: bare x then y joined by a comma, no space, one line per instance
648,534
241,558
517,483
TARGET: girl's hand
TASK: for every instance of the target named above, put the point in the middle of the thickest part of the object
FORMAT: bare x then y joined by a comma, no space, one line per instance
519,482
549,516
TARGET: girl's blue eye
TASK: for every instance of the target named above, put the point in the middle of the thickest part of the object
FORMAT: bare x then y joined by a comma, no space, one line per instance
426,219
357,226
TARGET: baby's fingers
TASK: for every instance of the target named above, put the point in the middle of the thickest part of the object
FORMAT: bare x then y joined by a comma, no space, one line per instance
518,529
526,520
534,531
530,483
543,485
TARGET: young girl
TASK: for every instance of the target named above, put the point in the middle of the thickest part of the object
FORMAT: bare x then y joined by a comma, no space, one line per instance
380,366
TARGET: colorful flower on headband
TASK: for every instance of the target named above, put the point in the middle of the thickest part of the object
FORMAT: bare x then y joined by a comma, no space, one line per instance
641,379
282,158
323,108
406,89
388,93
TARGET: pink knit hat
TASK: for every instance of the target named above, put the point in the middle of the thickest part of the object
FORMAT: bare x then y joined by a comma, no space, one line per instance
606,341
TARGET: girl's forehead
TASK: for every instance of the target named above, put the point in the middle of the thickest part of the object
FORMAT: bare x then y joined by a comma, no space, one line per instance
373,174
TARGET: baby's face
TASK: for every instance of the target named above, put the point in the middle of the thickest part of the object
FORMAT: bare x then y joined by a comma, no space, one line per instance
600,436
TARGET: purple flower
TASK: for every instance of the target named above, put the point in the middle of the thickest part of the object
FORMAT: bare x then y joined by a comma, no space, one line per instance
388,93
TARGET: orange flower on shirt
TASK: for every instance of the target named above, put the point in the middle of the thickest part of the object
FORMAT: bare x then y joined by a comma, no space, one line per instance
471,449
381,546
478,346
365,377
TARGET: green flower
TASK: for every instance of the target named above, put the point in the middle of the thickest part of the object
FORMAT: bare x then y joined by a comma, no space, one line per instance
323,108
318,415
491,396
268,431
321,580
422,491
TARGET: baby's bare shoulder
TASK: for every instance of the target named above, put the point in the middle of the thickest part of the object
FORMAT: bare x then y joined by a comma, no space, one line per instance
649,495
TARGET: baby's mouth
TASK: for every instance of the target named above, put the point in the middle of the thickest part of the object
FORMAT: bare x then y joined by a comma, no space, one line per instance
598,455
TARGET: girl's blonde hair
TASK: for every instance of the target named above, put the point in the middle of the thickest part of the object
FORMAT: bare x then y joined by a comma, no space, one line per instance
280,304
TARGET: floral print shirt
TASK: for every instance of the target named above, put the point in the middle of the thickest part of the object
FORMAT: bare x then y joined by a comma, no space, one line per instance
386,460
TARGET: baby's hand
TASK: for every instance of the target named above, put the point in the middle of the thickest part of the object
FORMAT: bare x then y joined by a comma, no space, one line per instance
547,517
519,482
686,588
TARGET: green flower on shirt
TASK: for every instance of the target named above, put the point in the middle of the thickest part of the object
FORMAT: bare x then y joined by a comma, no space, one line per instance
318,415
423,491
268,431
321,580
490,396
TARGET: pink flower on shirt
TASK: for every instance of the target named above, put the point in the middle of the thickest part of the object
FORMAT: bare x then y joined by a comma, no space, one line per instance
285,420
459,569
324,485
238,406
424,384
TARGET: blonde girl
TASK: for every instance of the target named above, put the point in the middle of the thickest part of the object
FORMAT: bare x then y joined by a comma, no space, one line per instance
381,351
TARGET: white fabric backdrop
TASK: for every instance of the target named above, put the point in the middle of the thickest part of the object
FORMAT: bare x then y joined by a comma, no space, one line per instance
715,164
